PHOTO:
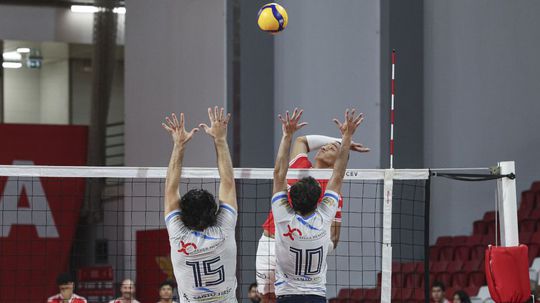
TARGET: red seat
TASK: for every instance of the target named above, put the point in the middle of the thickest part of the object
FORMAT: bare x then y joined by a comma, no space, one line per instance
535,187
462,252
434,252
489,216
528,200
472,265
418,294
459,279
474,240
535,238
525,237
358,293
477,278
345,293
523,213
455,266
437,267
414,280
396,266
444,277
491,227
446,240
449,293
479,227
446,253
397,279
457,240
372,294
528,225
489,239
409,267
400,294
472,291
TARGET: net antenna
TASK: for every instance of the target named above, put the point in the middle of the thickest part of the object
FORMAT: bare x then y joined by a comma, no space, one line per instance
392,113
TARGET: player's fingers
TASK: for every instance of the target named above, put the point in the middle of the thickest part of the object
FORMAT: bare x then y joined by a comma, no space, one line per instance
216,113
281,118
170,123
299,114
193,131
302,125
337,122
288,116
166,127
346,115
210,114
359,118
175,119
204,127
364,149
221,112
228,118
182,120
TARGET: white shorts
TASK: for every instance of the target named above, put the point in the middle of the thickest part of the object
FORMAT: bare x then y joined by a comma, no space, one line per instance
266,265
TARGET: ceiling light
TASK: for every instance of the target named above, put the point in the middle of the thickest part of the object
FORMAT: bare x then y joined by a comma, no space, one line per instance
119,10
23,50
94,9
12,56
84,9
11,64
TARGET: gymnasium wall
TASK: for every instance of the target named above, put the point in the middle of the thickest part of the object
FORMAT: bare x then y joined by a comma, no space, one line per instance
481,103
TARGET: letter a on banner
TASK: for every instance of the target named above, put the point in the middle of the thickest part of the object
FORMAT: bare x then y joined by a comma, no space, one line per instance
37,212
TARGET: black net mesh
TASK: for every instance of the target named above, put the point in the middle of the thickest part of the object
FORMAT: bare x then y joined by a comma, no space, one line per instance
55,225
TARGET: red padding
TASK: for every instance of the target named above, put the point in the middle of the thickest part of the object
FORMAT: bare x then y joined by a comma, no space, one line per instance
507,273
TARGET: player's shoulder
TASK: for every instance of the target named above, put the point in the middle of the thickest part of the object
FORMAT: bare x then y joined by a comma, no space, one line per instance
78,299
54,299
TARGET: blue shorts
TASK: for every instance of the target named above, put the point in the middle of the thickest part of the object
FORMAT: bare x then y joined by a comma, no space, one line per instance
301,299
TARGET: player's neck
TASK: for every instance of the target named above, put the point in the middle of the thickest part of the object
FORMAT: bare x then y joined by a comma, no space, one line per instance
321,164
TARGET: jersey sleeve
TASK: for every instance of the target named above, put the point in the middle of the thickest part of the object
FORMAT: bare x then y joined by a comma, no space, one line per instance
300,161
329,205
280,206
227,217
337,217
175,226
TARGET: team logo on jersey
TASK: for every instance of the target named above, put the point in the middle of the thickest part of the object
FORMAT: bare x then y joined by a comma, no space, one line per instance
291,232
186,248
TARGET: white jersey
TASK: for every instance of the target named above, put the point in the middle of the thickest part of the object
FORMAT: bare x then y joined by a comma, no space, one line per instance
302,246
204,262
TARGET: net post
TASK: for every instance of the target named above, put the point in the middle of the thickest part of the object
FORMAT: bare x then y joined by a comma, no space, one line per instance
427,200
508,205
386,279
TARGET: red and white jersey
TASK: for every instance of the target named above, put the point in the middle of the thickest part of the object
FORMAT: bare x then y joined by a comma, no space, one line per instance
204,262
302,245
59,299
301,161
120,300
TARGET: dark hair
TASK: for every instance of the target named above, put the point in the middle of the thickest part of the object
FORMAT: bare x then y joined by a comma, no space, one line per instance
64,278
168,282
438,284
304,195
252,285
463,296
199,209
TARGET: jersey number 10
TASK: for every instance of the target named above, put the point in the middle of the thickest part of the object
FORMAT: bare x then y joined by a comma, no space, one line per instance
207,271
311,256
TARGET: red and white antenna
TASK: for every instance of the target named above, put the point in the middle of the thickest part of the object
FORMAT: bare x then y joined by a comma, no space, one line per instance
392,115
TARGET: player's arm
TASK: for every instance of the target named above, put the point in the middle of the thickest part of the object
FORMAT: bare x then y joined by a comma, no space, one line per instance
335,232
172,182
289,125
218,131
347,128
306,144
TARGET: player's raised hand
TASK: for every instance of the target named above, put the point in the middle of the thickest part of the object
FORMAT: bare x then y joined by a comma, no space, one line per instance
177,130
218,123
290,124
357,147
351,122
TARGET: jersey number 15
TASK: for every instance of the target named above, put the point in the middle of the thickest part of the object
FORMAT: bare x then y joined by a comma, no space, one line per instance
207,270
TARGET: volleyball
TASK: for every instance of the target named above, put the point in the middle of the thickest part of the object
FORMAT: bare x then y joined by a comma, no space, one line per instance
273,18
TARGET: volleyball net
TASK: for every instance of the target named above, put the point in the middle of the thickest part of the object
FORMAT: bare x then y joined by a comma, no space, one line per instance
104,225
